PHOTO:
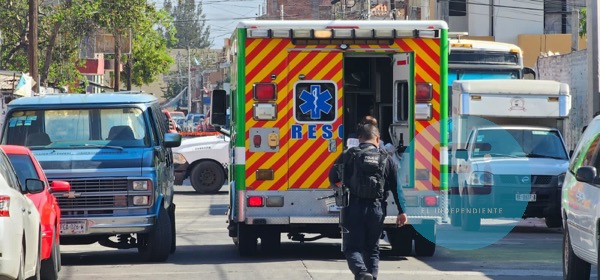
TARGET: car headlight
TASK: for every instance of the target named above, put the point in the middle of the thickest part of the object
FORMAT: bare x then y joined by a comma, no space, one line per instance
481,178
140,185
561,179
179,158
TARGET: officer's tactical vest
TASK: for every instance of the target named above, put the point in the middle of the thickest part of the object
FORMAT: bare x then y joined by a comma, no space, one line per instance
367,179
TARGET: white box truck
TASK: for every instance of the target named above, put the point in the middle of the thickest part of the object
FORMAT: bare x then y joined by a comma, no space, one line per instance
508,156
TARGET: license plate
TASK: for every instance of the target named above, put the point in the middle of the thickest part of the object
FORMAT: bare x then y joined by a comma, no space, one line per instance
529,197
73,227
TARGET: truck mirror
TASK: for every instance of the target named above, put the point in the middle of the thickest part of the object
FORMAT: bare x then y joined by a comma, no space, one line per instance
218,110
172,140
529,73
586,174
461,154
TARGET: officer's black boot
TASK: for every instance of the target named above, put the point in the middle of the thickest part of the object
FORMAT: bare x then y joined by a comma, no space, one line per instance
364,276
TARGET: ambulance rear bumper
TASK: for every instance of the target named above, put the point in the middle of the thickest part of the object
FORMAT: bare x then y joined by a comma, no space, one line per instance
389,220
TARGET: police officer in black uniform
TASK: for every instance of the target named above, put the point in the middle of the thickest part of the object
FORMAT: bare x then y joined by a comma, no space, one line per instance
363,217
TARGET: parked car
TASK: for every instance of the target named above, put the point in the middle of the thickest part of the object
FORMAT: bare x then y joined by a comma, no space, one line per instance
580,200
20,229
177,114
170,122
115,151
27,167
192,122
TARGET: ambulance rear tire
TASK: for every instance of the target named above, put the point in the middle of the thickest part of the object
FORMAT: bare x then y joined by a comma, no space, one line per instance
270,241
401,240
247,241
423,246
207,177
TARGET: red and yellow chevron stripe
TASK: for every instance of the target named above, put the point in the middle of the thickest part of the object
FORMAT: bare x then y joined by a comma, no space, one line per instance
303,163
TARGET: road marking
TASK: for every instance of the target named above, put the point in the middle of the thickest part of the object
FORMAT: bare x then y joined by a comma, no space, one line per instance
483,272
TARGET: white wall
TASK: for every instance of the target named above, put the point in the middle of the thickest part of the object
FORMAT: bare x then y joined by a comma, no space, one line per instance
571,69
511,18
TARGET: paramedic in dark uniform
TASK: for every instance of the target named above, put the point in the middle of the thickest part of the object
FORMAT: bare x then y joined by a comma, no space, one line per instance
363,218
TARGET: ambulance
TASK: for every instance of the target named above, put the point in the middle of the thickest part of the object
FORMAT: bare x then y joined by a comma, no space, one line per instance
298,90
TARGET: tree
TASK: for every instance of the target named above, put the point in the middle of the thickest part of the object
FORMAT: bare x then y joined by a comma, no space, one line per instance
150,56
190,23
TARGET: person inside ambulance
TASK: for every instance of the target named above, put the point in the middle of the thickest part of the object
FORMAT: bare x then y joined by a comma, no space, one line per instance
369,174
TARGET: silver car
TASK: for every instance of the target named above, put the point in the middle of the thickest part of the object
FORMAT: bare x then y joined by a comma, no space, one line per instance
581,207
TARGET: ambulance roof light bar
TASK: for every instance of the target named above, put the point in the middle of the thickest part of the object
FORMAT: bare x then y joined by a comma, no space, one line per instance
343,33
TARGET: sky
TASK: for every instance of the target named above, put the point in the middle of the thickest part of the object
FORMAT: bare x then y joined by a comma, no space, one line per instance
223,16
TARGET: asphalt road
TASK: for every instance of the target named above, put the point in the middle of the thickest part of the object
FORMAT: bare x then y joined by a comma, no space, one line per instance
206,252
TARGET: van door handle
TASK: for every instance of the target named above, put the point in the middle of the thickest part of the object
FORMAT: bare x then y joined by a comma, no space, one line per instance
23,209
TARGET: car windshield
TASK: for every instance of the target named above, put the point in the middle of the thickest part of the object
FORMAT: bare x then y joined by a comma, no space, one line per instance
197,118
24,168
85,128
176,115
519,143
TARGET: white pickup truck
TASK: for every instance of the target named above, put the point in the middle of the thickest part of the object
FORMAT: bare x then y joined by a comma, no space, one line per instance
508,155
204,160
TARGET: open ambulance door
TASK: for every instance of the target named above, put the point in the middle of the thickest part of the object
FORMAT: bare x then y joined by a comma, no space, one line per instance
402,129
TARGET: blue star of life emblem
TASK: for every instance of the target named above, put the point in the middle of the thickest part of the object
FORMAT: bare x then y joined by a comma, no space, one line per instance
315,101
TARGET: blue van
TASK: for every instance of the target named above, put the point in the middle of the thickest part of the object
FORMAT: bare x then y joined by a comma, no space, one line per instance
115,151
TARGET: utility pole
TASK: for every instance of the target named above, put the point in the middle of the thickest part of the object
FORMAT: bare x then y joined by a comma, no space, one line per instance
574,29
444,10
33,44
129,70
592,18
189,86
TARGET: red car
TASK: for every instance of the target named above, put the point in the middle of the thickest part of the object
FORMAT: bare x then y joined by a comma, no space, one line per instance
28,167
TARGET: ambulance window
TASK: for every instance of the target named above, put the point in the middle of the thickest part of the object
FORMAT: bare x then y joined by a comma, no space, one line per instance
315,101
402,101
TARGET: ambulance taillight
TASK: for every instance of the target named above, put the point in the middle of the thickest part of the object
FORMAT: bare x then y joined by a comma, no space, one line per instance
255,201
264,92
430,200
423,92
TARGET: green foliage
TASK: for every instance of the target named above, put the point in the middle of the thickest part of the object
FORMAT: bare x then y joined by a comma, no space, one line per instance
582,22
150,55
66,25
190,23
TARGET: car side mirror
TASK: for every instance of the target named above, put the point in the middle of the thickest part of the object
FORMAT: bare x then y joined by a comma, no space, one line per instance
34,185
461,154
586,174
60,186
172,140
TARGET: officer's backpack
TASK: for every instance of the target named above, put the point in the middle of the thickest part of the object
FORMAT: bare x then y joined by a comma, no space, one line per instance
368,166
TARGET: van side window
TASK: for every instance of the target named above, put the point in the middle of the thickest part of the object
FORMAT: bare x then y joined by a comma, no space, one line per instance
155,126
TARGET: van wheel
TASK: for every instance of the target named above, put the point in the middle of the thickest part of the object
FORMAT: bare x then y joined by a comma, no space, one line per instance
401,240
470,221
207,177
247,241
553,221
51,266
155,246
574,268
